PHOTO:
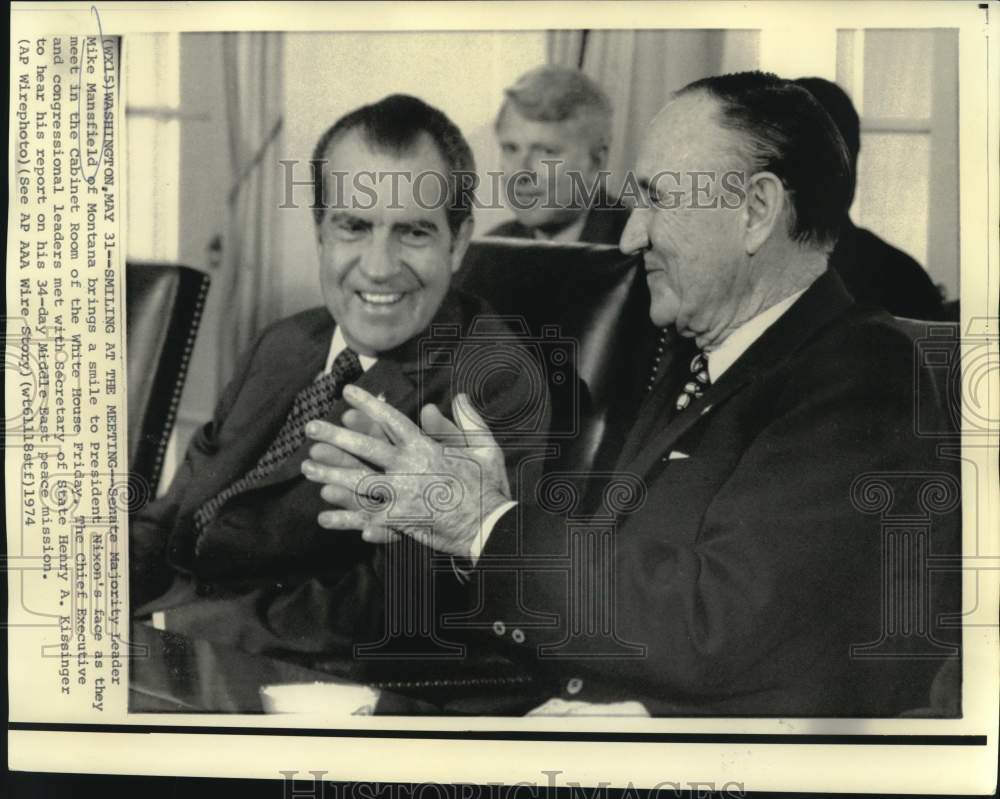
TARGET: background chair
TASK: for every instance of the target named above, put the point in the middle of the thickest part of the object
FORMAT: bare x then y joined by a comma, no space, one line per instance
594,296
952,311
163,309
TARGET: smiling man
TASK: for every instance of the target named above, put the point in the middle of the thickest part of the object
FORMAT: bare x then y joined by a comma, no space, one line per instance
747,570
233,551
385,267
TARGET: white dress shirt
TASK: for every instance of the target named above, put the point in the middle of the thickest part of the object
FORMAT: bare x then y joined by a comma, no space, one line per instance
337,345
737,342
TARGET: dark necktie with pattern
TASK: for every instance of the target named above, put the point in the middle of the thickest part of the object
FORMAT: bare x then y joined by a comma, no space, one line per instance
695,385
313,402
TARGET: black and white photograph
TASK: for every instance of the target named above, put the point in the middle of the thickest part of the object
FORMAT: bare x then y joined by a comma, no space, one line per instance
623,378
683,537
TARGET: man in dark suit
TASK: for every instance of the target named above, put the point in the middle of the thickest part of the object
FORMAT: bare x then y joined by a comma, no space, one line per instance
554,129
233,552
875,272
740,565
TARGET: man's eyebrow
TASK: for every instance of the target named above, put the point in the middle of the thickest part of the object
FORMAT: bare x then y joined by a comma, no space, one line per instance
343,216
418,224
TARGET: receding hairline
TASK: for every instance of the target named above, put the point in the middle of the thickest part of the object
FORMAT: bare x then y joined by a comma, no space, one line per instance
729,147
422,140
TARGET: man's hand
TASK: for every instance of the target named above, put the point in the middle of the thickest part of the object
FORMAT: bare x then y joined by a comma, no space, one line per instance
390,477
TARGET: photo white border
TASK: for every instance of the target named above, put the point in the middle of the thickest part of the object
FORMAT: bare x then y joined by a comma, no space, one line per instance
945,769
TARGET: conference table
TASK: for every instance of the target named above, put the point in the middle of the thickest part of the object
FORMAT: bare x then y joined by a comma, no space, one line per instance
172,673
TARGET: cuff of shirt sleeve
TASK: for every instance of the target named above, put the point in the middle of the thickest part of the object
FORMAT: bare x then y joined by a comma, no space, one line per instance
462,567
487,529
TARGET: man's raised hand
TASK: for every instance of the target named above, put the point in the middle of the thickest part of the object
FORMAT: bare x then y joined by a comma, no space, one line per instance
435,486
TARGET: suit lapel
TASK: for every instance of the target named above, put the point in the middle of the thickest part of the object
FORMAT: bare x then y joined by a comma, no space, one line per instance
387,379
662,439
824,301
393,378
275,385
657,402
283,384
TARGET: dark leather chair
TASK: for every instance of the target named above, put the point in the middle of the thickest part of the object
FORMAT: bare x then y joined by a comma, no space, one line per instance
598,298
163,305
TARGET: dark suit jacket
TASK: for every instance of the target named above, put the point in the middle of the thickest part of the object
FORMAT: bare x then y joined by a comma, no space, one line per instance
264,576
876,273
604,225
744,565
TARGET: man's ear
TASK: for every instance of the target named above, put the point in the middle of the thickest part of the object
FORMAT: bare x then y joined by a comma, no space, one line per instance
766,204
461,243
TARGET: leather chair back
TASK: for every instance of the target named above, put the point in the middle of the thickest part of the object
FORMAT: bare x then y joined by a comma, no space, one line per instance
597,298
163,305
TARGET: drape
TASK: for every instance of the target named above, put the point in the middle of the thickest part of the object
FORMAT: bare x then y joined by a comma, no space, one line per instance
639,69
252,67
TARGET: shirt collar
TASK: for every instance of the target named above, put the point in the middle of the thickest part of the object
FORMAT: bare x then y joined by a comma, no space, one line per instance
739,341
338,345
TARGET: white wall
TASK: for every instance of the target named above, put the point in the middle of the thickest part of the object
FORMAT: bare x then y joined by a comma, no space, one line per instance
463,74
205,180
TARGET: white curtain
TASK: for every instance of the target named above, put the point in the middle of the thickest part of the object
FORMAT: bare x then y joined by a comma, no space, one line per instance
566,47
252,64
640,69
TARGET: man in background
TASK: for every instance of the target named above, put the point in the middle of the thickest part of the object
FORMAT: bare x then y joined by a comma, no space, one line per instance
875,272
232,552
554,129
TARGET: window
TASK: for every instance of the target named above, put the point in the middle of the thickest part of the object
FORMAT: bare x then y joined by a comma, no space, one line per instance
904,84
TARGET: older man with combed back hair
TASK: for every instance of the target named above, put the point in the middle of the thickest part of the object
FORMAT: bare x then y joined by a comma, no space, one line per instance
554,129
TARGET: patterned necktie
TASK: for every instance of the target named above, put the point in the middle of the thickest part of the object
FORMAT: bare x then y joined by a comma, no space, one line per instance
695,386
313,402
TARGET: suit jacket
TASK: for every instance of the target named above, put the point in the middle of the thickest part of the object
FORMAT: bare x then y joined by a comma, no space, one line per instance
605,223
876,273
739,560
263,576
